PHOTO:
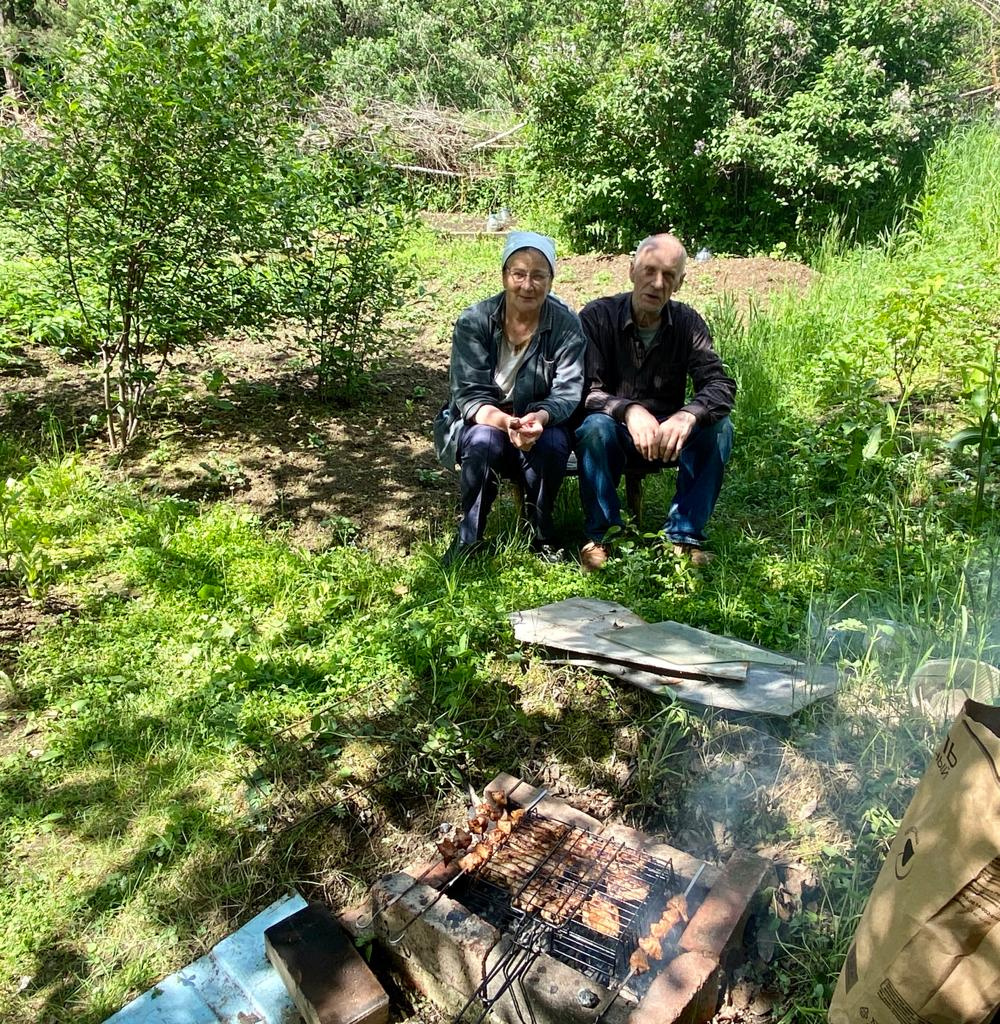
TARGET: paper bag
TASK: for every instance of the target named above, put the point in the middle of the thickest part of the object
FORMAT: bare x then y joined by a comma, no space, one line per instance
927,949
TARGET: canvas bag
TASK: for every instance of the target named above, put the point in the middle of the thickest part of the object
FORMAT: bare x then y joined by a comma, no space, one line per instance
927,948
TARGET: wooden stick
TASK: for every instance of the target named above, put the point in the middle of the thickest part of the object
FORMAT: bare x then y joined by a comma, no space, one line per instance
502,135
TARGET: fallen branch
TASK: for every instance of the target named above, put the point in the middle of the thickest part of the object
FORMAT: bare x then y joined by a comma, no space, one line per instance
427,170
502,135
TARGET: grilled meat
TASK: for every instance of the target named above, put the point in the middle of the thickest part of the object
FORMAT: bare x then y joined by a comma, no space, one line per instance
651,944
674,912
489,810
479,854
490,839
626,886
600,914
454,845
448,849
479,824
638,961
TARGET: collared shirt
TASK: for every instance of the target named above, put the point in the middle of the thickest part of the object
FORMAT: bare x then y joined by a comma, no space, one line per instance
622,372
549,378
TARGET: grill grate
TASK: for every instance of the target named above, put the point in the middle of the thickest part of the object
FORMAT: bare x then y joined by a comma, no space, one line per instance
581,897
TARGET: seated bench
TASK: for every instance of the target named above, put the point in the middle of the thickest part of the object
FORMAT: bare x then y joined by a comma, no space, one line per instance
633,489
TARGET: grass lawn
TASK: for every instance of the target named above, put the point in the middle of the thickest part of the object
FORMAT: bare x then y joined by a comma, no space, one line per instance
200,711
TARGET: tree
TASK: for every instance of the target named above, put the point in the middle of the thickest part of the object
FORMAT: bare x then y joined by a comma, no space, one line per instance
737,121
153,181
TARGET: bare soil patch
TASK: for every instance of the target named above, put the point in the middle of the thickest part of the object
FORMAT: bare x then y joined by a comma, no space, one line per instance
264,440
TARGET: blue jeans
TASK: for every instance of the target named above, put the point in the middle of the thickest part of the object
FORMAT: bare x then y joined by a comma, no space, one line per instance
486,454
604,449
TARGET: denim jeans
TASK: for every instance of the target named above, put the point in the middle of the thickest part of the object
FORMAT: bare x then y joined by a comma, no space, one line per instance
604,449
486,454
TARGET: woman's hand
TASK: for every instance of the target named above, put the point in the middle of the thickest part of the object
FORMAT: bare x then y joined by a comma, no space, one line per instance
524,431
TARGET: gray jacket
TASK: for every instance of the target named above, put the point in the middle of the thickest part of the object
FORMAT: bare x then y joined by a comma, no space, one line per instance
550,378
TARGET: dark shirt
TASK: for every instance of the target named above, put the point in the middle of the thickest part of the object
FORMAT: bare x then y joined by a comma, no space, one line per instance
621,372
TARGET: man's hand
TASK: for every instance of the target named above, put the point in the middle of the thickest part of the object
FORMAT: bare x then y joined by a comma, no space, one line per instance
524,431
672,434
643,428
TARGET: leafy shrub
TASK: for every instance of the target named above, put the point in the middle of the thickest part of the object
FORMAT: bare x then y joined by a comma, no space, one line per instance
34,308
34,519
340,273
736,122
444,52
152,182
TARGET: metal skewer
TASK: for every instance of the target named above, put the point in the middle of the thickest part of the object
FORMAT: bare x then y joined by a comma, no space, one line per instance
394,939
632,972
363,924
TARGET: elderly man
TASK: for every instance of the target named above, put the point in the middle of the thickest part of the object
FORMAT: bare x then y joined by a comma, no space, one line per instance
642,347
517,362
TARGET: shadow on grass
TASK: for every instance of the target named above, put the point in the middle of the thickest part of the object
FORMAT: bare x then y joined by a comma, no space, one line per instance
265,439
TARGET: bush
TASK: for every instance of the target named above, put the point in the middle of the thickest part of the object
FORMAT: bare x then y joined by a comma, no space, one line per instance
341,277
735,122
443,52
33,307
153,182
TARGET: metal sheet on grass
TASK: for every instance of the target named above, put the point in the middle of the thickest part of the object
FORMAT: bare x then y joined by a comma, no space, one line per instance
584,632
690,647
765,692
589,626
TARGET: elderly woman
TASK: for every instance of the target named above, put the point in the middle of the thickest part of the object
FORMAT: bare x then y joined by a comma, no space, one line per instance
517,364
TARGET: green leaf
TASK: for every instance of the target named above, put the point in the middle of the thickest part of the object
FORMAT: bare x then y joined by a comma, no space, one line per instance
966,437
874,443
209,593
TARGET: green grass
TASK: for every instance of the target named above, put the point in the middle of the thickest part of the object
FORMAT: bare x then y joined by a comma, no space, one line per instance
209,715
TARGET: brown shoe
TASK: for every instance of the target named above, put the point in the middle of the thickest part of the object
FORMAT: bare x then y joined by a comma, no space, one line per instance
593,556
698,557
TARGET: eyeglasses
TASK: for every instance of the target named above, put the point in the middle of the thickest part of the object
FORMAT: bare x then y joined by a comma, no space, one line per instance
536,276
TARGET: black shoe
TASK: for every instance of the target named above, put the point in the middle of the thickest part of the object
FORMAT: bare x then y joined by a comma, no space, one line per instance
548,553
459,553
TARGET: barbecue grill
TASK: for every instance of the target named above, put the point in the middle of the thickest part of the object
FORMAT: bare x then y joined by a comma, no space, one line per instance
547,930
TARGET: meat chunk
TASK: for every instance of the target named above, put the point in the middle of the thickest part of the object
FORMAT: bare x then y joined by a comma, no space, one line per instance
448,849
601,915
476,856
638,961
651,944
626,886
479,824
674,912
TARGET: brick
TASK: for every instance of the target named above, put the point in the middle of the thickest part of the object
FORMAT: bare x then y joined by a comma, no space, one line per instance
442,951
686,991
716,927
323,972
354,917
438,873
630,837
685,865
522,794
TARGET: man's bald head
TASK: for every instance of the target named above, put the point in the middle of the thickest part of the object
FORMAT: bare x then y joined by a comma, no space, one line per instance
665,243
656,272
